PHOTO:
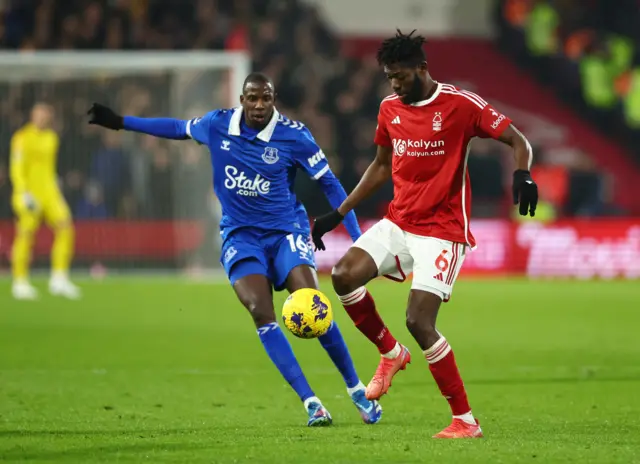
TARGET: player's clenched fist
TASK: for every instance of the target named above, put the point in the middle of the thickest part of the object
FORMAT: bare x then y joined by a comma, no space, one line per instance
104,116
525,192
322,225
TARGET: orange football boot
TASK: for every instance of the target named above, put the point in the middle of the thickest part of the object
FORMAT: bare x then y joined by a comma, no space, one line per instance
460,429
387,368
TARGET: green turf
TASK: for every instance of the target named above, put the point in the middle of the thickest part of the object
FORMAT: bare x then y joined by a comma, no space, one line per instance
167,371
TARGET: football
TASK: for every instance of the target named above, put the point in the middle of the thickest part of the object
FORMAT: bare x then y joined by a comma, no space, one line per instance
307,313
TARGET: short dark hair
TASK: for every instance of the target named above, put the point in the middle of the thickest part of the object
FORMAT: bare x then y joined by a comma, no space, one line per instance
404,49
257,78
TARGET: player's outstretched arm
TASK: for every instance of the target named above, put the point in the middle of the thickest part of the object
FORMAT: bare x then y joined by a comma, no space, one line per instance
525,190
335,193
167,128
378,172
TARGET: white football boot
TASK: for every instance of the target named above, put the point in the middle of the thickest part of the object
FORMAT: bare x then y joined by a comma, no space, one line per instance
60,285
23,290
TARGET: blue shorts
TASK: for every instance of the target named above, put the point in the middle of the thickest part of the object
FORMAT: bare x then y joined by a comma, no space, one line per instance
268,253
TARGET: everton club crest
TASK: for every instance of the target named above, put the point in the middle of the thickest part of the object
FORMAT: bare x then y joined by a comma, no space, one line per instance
270,155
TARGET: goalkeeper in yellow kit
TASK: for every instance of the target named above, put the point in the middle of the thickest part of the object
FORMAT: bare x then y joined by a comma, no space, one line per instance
34,150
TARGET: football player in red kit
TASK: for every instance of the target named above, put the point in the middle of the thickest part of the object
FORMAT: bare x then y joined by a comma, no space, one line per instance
423,137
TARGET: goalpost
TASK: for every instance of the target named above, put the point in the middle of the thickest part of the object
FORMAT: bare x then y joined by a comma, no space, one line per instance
139,203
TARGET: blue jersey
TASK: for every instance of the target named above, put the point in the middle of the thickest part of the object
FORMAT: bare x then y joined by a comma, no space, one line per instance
265,228
254,171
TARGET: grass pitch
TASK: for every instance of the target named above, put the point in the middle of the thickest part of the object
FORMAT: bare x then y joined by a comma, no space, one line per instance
161,370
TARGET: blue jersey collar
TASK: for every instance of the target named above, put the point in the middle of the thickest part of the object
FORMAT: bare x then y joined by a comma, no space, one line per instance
264,135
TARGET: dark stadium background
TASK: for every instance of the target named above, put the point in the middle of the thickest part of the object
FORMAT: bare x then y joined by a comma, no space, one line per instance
166,366
538,71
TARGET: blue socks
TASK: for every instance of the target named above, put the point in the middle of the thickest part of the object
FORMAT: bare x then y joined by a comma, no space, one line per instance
334,344
280,352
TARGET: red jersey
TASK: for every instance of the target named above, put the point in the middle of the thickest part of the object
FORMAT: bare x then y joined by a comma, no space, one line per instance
430,140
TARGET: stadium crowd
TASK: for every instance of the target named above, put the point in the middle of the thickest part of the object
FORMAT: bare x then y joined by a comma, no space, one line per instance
587,50
104,175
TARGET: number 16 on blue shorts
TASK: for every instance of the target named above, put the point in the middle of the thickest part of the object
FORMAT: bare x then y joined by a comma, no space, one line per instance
272,254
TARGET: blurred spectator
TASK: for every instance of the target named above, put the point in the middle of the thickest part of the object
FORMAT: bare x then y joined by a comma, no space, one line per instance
192,182
5,193
128,207
92,205
72,186
487,178
587,51
110,168
161,185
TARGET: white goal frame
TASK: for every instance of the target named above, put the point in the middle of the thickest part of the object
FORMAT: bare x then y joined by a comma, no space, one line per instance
41,64
58,66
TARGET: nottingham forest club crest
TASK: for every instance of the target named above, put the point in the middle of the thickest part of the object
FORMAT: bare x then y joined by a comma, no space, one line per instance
437,121
270,155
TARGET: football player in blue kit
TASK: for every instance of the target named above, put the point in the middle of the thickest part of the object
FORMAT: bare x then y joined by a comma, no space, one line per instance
255,153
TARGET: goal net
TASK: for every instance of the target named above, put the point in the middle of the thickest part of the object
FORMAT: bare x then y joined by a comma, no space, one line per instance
139,203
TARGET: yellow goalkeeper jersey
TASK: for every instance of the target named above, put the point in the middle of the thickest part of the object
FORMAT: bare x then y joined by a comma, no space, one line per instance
34,155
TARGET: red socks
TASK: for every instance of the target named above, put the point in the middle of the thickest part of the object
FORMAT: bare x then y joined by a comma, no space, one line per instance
361,308
444,369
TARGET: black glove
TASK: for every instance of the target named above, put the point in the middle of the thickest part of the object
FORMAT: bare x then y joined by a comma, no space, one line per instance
322,225
525,192
105,117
